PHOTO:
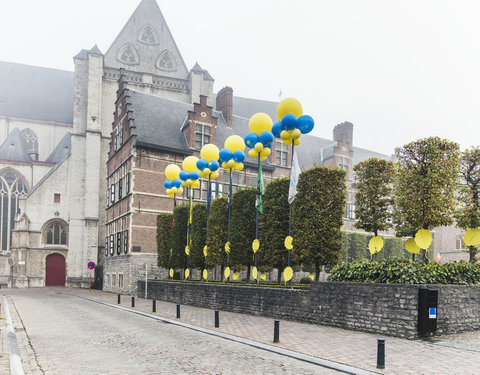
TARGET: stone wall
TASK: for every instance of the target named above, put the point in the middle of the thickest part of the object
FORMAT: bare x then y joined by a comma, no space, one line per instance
388,309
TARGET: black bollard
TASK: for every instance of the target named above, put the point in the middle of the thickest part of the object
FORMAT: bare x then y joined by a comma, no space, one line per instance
154,306
276,331
133,301
217,319
118,299
178,311
381,353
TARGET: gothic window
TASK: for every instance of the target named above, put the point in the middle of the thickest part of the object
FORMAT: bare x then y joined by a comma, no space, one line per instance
128,55
166,61
12,188
56,233
202,135
281,152
148,35
31,139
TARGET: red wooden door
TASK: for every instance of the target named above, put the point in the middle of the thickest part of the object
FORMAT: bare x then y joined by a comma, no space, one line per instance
55,270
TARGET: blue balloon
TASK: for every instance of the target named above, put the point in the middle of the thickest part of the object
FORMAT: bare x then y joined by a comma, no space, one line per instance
213,165
305,123
266,138
177,183
251,140
167,184
239,156
202,164
184,175
193,175
289,121
277,129
225,154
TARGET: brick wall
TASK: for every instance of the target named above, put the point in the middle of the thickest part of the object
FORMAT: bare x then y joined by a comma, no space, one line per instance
388,309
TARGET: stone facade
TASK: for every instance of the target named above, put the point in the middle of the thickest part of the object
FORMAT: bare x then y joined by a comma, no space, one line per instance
387,309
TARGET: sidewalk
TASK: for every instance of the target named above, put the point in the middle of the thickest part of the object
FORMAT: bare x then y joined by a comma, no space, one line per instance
457,354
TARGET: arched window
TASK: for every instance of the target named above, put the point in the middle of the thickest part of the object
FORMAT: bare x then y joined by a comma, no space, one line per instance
12,188
166,61
148,35
56,233
31,139
128,55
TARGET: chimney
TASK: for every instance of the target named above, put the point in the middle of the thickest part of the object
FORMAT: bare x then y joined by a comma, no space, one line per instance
225,104
343,134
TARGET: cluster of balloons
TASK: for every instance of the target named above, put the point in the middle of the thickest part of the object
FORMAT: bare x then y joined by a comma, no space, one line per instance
190,175
232,155
260,138
173,184
293,123
208,164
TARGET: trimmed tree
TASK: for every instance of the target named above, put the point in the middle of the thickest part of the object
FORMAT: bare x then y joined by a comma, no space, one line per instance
179,236
468,214
274,225
373,199
243,228
318,216
427,172
199,236
164,239
217,233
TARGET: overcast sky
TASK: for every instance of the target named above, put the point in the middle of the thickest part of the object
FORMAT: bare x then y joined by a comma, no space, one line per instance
398,70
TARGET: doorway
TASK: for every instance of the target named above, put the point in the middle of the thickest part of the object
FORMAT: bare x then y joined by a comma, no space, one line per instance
55,270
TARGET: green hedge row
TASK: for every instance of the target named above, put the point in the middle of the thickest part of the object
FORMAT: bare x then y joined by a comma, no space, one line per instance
407,271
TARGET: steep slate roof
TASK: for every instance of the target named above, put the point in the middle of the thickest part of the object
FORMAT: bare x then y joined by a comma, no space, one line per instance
360,154
61,151
15,147
206,74
147,13
36,93
246,107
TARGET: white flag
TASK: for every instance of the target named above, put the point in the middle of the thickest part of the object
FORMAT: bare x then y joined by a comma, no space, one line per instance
294,175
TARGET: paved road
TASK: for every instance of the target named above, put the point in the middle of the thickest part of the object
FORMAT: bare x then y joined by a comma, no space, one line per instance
62,334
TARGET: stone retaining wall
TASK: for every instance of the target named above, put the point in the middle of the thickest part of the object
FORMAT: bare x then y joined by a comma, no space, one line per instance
388,309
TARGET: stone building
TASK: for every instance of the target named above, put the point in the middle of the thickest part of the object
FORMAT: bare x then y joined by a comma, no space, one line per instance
82,155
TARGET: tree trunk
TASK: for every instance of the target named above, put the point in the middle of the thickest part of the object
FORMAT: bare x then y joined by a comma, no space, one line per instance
473,254
248,274
317,270
279,276
222,269
375,258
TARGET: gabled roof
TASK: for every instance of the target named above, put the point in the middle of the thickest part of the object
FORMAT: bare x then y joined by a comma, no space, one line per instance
15,147
36,93
206,75
61,151
147,14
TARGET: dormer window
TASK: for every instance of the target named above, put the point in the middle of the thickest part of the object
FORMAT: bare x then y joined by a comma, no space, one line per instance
166,61
148,35
128,55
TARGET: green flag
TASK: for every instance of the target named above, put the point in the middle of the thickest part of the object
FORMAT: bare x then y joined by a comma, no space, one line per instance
259,203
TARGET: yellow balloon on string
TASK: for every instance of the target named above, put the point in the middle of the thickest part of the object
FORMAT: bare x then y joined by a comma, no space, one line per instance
255,273
171,273
375,244
172,171
289,242
190,164
205,251
259,123
289,105
411,246
235,143
205,274
263,276
187,273
423,238
227,247
227,272
209,152
472,237
235,276
255,245
311,276
187,250
288,273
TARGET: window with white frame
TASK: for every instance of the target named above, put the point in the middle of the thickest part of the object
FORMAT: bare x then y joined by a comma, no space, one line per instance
202,135
281,152
343,162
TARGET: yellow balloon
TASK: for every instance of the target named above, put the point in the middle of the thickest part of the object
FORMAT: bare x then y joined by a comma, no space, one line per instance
235,143
252,153
215,174
235,276
289,242
169,191
265,152
187,273
423,238
171,272
227,272
263,276
311,276
209,152
205,274
289,105
472,237
196,183
190,163
411,246
201,173
224,165
255,245
205,251
255,273
295,133
187,250
285,134
287,142
288,274
296,142
375,244
231,163
227,247
259,123
172,171
239,166
206,172
180,190
173,190
258,146
262,158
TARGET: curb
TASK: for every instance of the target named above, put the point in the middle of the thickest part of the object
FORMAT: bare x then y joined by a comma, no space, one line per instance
16,367
288,353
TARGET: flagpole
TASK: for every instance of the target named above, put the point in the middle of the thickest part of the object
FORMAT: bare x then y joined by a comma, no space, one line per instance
209,198
290,213
229,218
257,215
189,239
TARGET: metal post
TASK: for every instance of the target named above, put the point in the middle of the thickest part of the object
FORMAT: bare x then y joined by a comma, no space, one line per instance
217,319
146,279
276,331
154,306
257,214
178,311
133,301
118,299
381,353
290,215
